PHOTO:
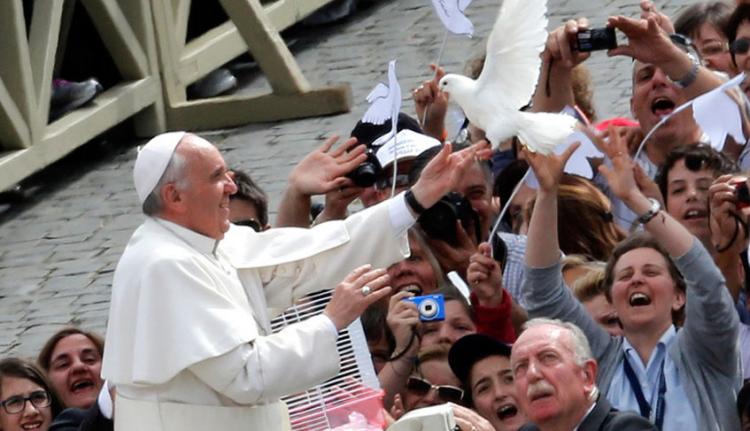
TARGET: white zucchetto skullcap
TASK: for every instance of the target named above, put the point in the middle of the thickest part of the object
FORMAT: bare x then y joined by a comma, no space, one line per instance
152,161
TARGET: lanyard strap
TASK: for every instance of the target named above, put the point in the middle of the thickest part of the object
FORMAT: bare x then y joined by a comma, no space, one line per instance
644,405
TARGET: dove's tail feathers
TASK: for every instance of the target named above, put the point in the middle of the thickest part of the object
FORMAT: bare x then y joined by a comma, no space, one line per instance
542,132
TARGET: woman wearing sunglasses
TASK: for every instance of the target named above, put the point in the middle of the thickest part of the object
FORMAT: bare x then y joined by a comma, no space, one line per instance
432,382
27,401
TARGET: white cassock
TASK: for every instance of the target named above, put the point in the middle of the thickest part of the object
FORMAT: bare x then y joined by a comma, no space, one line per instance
187,342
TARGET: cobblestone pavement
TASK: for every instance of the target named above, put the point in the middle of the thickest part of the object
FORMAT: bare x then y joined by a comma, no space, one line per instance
60,247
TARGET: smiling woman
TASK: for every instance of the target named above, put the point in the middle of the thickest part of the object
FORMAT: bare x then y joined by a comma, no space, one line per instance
72,359
689,377
27,399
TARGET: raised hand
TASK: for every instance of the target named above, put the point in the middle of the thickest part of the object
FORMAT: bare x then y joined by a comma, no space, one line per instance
362,287
485,277
649,9
431,104
621,177
337,202
647,41
549,169
445,170
323,170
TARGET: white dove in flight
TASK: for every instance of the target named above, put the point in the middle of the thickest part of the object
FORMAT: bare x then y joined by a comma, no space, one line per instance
508,79
385,100
453,15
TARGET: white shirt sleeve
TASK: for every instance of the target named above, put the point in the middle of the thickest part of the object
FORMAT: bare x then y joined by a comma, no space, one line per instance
401,217
295,359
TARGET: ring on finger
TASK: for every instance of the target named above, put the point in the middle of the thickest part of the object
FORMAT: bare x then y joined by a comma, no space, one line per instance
366,290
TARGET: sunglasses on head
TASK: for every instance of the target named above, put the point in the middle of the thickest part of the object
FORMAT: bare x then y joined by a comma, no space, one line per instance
422,387
740,46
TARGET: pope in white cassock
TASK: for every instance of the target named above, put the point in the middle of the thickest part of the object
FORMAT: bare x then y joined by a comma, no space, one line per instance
188,340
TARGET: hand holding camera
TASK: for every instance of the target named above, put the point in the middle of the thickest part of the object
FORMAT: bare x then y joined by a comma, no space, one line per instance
402,319
561,42
729,199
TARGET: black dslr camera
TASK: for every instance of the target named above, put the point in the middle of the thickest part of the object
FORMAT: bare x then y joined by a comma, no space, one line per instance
367,172
596,39
439,221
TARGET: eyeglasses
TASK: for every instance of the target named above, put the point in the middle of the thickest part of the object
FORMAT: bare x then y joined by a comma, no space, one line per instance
402,180
740,46
423,387
17,403
251,223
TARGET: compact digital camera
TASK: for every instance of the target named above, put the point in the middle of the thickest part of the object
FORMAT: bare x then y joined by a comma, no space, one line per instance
431,307
596,39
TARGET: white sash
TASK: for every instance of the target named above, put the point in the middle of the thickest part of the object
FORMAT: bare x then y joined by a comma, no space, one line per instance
140,415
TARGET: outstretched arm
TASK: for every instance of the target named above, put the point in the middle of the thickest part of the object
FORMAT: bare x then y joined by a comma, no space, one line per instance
542,247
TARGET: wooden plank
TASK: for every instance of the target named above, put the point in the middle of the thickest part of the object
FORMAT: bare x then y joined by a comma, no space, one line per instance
152,120
232,111
14,132
169,62
224,42
118,37
180,15
80,126
267,47
43,39
15,62
285,13
209,51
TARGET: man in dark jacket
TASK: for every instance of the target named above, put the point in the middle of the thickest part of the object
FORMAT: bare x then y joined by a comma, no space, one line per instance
555,378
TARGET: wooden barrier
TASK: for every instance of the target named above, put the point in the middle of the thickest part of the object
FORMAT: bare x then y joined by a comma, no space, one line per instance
28,143
146,40
252,27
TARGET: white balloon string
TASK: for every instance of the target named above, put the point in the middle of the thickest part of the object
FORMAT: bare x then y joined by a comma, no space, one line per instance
437,66
395,162
506,205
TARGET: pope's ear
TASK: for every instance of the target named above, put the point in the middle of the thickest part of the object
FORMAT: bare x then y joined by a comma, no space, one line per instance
172,197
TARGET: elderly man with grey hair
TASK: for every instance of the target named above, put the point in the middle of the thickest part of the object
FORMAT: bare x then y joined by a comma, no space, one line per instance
189,345
555,378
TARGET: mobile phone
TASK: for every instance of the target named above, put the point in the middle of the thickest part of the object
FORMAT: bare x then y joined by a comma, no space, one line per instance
596,39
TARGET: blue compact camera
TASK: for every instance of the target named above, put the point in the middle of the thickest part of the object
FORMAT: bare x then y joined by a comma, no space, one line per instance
431,307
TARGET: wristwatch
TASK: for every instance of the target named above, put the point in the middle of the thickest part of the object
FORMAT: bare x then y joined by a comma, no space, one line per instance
413,203
687,46
651,213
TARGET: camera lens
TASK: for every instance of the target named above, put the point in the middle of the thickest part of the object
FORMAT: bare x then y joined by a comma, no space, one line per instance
365,175
428,308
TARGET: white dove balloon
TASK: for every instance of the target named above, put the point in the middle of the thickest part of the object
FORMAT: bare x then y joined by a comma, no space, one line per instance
385,100
453,15
508,79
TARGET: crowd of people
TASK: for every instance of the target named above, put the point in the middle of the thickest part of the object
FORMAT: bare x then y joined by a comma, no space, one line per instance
605,303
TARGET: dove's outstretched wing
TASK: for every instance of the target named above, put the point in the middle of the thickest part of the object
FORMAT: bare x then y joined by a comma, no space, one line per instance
511,68
380,105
